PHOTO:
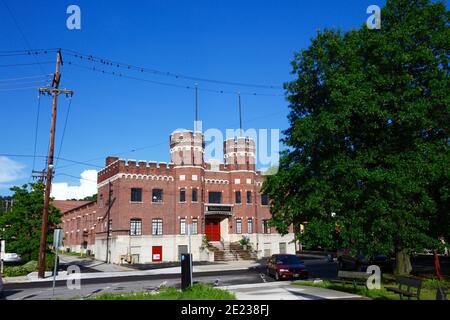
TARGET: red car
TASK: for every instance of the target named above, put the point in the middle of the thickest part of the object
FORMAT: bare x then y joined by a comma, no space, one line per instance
286,266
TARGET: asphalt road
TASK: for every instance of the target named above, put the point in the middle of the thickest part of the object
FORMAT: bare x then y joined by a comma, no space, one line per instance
89,287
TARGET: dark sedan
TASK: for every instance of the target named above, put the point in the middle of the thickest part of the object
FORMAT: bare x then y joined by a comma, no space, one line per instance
286,266
360,261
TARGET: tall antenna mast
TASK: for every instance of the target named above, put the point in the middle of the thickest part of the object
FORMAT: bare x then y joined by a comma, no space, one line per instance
240,115
196,108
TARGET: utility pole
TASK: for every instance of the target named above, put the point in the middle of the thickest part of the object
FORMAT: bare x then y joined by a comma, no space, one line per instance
54,91
39,175
109,224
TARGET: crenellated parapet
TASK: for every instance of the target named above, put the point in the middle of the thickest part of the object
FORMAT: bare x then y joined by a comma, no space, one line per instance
133,168
240,153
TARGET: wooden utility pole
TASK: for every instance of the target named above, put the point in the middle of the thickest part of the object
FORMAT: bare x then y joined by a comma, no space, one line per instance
54,92
109,224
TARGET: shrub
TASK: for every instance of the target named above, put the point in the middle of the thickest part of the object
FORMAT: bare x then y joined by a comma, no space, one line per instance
245,241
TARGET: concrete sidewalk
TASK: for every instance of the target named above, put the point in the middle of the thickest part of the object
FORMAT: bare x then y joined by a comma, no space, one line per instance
229,266
287,291
93,264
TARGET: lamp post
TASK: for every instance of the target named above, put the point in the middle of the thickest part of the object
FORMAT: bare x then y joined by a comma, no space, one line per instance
190,248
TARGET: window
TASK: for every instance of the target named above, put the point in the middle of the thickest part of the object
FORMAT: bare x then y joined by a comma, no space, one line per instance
136,195
238,226
194,226
249,197
183,195
215,197
157,227
238,197
265,226
182,226
100,201
264,200
194,195
250,226
135,227
157,195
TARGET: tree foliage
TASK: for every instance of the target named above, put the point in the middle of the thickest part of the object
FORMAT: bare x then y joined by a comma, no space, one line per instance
369,135
21,227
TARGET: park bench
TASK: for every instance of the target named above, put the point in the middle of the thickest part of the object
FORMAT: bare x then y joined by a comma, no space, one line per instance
352,277
441,293
407,287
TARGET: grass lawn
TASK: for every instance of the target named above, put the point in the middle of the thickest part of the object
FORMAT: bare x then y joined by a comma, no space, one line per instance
428,291
75,254
196,292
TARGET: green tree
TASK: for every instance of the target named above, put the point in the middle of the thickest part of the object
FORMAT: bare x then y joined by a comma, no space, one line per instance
91,198
21,227
369,136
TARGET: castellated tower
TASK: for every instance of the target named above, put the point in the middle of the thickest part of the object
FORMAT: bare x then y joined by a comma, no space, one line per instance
187,148
239,153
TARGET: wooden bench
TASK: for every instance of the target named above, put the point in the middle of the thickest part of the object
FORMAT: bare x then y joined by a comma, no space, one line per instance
352,277
407,287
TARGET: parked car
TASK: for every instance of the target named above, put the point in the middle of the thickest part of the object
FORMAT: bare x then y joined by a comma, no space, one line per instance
360,261
12,258
284,266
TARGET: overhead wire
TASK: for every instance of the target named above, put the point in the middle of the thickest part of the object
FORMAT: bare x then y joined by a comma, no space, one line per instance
21,32
168,84
64,130
129,66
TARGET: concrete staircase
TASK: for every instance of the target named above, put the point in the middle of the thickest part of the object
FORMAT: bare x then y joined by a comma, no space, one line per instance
226,251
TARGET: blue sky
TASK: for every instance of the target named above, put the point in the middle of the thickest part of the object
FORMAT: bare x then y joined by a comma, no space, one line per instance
238,41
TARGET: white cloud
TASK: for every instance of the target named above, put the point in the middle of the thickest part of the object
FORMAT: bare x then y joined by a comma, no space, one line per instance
10,170
87,187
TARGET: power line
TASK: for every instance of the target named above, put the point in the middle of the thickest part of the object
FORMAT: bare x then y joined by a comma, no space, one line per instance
25,64
25,53
17,89
25,78
22,33
21,83
32,51
44,157
36,130
64,131
167,84
128,66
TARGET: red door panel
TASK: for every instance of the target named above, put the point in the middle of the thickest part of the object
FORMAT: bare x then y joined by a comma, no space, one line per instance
212,230
156,253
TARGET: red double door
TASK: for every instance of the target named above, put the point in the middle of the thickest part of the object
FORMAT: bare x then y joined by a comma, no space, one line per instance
212,230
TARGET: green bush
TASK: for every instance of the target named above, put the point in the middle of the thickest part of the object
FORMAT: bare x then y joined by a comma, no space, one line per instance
245,241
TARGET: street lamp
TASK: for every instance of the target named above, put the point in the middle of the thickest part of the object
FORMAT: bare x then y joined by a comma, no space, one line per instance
190,248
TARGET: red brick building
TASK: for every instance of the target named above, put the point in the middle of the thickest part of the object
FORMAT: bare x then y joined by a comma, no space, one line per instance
144,208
